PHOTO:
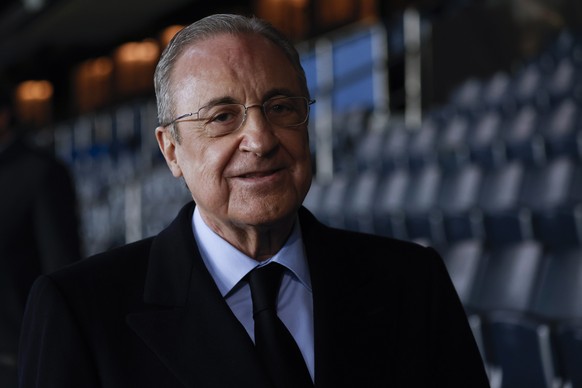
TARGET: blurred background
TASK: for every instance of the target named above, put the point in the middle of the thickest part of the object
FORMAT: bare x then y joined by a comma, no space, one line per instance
457,124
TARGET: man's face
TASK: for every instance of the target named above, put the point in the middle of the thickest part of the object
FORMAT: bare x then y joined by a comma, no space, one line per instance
259,174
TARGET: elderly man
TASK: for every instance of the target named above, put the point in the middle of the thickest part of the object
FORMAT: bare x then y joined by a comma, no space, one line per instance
246,288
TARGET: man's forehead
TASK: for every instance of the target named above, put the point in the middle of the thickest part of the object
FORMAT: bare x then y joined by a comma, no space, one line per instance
235,54
225,43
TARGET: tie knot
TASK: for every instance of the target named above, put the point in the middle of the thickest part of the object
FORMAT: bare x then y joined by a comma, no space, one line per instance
264,282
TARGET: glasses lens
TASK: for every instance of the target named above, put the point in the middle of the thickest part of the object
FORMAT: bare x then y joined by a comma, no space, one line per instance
222,119
287,111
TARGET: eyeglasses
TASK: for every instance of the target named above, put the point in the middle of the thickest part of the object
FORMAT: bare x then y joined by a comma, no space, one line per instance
222,119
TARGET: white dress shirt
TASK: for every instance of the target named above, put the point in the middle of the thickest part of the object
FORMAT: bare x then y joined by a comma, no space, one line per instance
228,266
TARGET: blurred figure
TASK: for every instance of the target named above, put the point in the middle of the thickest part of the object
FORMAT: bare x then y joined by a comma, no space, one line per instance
38,228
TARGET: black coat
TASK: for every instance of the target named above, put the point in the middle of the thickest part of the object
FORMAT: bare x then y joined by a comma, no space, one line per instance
149,315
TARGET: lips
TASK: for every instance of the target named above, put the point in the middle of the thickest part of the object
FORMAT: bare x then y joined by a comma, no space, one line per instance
258,174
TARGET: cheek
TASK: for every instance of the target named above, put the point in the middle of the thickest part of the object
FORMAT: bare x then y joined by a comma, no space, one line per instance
297,146
203,166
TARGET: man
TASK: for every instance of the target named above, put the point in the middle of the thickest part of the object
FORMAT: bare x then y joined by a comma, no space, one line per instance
176,310
38,228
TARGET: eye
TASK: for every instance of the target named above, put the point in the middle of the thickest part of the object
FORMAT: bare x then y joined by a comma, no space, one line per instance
222,117
281,107
223,114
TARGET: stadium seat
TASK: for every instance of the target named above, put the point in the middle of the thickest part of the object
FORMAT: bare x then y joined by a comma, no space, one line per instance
423,220
558,300
390,199
452,147
369,151
485,144
458,203
522,139
360,204
552,194
463,260
515,343
560,129
332,206
509,278
569,339
395,147
520,347
503,219
422,147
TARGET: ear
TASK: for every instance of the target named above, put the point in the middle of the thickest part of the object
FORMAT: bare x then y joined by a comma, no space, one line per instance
168,145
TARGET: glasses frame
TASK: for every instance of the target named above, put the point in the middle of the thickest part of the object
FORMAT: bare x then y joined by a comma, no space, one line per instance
308,101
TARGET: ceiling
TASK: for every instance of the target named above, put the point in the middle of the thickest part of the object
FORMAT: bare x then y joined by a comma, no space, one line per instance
69,25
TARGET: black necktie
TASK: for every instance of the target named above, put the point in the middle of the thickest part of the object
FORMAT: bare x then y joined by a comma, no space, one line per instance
275,345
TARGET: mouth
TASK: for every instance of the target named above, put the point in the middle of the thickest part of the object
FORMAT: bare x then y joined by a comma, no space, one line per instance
258,174
261,177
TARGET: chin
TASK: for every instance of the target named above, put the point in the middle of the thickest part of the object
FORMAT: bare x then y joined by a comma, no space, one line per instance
267,213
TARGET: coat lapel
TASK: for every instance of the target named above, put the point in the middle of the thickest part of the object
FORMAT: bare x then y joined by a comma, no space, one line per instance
189,326
349,317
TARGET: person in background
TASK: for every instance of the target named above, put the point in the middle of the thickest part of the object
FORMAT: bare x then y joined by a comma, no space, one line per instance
245,288
38,228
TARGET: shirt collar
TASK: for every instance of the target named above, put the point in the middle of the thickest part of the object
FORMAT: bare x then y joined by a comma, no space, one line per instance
228,265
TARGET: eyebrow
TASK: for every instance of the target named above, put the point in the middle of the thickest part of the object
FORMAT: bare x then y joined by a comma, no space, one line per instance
219,101
278,92
230,100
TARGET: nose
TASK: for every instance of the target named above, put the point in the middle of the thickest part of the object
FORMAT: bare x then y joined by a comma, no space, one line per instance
258,134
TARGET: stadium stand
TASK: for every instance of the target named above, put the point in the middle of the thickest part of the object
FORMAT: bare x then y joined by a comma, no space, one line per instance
493,180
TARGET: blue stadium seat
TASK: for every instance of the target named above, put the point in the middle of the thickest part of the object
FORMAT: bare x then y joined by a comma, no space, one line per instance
333,201
514,343
569,342
520,346
395,147
562,83
558,300
560,289
497,92
390,199
509,278
522,139
552,192
360,204
485,144
452,147
369,151
468,96
457,201
463,260
503,219
528,85
560,130
422,147
422,219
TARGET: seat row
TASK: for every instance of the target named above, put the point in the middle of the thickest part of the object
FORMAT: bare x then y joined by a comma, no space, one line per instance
510,203
490,140
524,306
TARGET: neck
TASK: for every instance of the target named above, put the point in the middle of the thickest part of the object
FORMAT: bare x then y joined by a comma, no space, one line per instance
258,242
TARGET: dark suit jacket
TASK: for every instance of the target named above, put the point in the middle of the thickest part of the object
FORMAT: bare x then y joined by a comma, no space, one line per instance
149,315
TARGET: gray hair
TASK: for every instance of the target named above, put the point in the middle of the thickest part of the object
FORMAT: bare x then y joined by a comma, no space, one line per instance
206,28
